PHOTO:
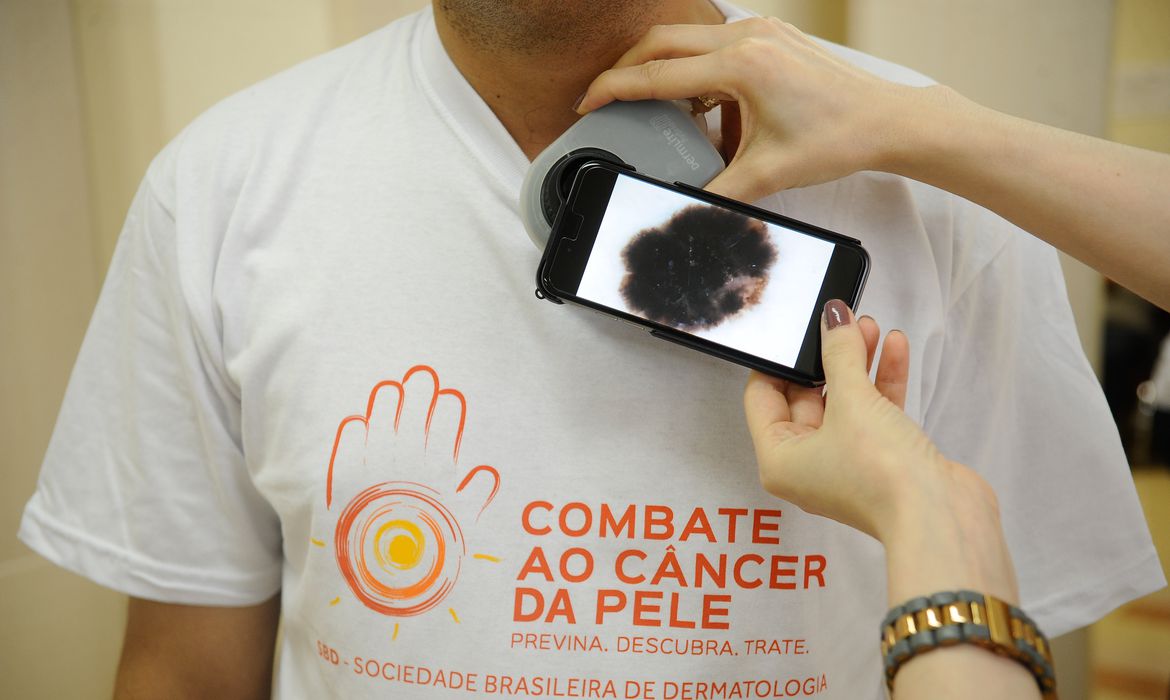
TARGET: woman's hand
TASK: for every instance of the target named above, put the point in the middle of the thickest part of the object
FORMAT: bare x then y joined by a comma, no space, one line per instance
848,452
795,115
804,117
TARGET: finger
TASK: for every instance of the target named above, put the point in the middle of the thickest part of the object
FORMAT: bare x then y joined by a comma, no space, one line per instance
384,405
749,177
420,389
893,370
665,79
806,404
445,430
678,41
346,459
842,347
872,333
763,166
382,410
764,404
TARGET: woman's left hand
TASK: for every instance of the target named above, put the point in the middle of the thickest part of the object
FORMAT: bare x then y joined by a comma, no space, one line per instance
793,113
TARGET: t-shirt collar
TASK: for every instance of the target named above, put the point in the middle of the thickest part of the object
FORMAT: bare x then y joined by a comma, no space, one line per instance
463,110
468,115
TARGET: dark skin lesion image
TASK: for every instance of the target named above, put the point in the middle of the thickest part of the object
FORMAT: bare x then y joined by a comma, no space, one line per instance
699,269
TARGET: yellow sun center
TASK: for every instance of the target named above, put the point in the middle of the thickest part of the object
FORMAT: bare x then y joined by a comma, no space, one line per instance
404,550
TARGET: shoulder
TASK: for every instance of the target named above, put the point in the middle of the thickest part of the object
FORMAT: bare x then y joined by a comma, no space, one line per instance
272,120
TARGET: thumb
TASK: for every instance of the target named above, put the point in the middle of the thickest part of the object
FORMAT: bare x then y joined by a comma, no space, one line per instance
746,179
843,351
752,175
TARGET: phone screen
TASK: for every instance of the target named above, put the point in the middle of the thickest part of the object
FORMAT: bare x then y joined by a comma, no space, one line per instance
714,273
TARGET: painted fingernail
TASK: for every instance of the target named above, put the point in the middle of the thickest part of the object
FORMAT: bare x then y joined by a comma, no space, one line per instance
580,99
836,314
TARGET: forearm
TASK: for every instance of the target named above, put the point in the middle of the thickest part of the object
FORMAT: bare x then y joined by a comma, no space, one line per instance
964,672
948,537
1105,204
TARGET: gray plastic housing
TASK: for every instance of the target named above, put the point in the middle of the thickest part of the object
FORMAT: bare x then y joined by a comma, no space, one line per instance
656,138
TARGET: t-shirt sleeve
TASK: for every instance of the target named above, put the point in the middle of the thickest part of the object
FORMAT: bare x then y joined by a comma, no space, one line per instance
1016,399
145,487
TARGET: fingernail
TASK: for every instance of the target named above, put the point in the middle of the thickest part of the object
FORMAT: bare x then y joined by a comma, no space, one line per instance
836,314
577,104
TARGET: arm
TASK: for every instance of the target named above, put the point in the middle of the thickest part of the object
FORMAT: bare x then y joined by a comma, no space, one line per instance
145,487
1106,204
857,458
807,117
948,537
186,651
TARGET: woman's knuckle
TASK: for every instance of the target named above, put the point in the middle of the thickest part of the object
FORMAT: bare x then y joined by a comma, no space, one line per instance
654,70
759,25
754,53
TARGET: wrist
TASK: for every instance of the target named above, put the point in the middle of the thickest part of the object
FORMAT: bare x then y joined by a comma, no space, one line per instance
928,128
946,535
917,635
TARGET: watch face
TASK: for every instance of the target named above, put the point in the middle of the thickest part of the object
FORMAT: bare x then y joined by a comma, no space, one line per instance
399,548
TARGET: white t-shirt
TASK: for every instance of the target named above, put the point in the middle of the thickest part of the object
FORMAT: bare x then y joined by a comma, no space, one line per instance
318,367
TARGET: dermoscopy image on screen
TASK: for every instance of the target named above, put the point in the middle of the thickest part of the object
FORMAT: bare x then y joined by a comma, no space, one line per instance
714,273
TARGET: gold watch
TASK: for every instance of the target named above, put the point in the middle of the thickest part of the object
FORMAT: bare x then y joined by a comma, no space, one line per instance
965,617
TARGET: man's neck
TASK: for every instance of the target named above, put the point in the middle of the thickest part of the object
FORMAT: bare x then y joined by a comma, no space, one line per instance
532,92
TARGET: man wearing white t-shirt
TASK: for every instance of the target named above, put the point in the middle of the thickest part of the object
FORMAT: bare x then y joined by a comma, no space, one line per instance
317,384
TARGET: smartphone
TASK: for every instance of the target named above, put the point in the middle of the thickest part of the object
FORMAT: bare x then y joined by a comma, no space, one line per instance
704,271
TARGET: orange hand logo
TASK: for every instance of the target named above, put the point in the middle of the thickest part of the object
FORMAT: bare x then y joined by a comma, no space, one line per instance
398,547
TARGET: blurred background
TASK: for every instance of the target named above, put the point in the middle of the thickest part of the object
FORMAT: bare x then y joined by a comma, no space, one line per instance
90,90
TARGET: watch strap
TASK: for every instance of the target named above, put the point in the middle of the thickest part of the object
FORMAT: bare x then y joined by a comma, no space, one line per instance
965,617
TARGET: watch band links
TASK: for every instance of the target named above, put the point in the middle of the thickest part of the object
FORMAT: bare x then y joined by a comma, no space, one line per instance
949,618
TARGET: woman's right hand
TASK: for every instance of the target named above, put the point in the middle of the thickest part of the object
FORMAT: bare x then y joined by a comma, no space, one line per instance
847,452
804,116
850,453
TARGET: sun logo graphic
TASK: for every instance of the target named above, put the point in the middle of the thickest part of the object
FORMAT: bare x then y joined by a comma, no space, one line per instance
399,543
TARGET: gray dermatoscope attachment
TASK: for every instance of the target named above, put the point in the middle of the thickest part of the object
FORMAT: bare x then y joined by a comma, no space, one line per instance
659,139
